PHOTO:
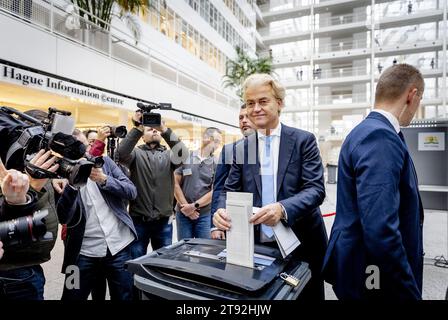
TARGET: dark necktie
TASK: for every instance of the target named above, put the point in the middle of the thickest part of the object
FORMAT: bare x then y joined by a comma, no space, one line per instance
400,134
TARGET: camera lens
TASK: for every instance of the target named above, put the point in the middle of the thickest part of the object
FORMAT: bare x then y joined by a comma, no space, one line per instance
76,171
118,132
23,230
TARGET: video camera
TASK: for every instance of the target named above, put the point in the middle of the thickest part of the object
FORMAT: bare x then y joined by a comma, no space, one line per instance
150,119
25,136
25,230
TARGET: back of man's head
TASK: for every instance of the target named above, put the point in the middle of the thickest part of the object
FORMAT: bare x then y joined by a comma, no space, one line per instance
210,131
395,81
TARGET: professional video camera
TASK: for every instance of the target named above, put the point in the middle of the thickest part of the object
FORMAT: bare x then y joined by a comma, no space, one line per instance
25,230
25,136
150,119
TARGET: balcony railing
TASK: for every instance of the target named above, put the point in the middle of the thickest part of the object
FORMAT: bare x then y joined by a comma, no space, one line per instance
326,74
340,20
56,18
286,29
340,46
291,4
405,7
341,99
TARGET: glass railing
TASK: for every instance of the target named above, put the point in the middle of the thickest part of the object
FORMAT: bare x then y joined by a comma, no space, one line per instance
391,38
341,99
289,56
405,7
340,46
284,5
326,74
284,30
340,20
59,17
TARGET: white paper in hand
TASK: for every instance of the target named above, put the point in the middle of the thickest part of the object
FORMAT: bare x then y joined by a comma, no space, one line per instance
286,238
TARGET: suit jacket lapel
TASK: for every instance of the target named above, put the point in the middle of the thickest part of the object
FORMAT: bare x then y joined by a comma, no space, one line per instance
284,154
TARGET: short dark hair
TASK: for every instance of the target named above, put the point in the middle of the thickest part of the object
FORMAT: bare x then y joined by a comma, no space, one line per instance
396,80
210,131
37,114
87,132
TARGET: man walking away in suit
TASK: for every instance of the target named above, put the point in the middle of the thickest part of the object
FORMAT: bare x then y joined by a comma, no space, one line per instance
376,247
281,167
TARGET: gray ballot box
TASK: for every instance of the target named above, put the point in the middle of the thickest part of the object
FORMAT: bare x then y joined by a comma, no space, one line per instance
196,269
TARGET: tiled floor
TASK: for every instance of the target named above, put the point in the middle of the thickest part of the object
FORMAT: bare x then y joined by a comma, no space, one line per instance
435,280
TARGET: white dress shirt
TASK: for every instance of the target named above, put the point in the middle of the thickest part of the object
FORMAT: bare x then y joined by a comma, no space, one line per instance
389,116
103,228
275,151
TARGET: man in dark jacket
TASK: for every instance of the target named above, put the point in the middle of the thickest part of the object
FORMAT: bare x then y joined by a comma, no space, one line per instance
99,235
223,168
152,166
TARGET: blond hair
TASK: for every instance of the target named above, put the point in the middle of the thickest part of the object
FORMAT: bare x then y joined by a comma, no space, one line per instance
263,79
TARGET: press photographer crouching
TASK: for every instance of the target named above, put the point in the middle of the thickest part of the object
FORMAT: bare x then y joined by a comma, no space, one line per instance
28,240
99,235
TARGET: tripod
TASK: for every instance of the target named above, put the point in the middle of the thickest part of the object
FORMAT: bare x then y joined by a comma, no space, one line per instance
112,145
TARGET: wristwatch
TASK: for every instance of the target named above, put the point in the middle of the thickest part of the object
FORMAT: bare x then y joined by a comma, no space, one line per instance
196,205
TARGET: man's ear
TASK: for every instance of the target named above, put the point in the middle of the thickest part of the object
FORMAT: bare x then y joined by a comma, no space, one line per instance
412,94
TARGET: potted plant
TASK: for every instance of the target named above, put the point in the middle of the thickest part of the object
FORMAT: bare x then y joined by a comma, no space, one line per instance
243,66
97,16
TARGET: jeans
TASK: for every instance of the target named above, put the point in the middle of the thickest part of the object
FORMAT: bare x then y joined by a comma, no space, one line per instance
22,284
158,232
187,228
111,268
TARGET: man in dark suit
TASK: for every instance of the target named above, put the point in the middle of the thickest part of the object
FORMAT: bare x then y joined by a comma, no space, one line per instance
281,167
224,165
377,233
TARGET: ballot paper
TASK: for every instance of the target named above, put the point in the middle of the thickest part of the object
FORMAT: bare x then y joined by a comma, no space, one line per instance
240,237
286,238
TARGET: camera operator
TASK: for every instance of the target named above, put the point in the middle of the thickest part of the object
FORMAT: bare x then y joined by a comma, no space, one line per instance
99,236
21,276
152,166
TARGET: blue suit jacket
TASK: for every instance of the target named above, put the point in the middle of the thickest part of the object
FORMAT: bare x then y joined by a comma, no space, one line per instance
300,188
221,173
379,216
116,193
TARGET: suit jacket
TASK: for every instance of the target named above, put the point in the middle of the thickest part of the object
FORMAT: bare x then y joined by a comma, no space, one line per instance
117,191
379,216
221,173
300,188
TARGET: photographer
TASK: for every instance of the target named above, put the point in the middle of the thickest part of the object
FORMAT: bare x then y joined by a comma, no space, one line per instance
152,166
99,236
21,276
99,144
